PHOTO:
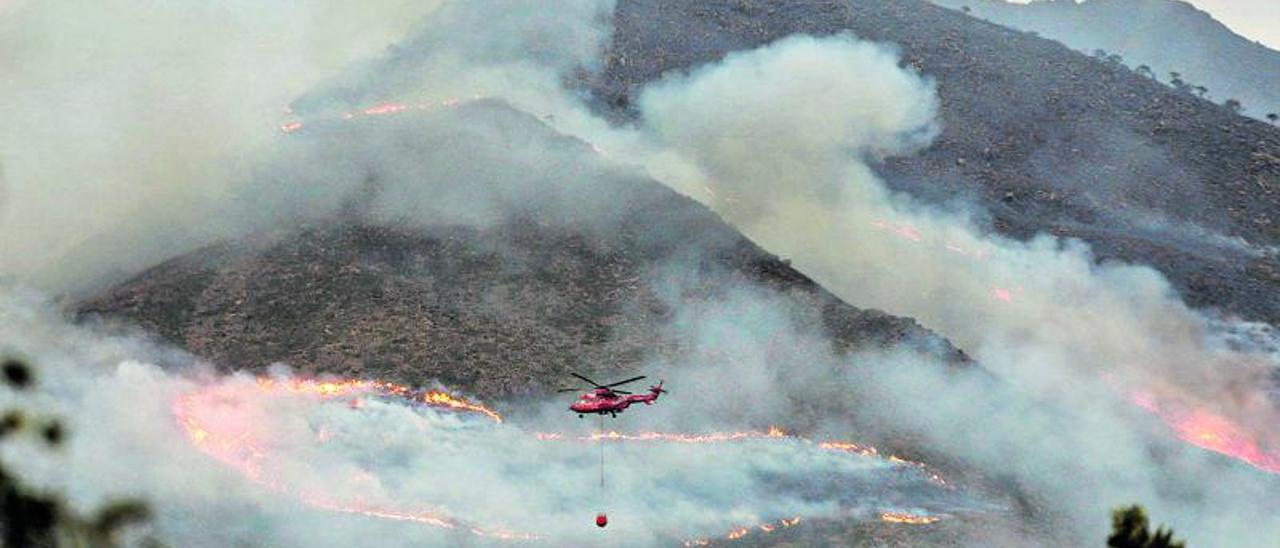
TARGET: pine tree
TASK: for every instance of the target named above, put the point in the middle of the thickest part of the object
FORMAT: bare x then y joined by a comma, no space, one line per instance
32,517
1130,529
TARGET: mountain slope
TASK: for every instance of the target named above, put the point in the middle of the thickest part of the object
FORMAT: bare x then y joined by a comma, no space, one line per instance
503,308
1165,35
1043,138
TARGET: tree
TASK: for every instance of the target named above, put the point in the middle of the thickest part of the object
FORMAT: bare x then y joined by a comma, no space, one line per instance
966,9
1144,70
1233,105
1175,80
33,517
1201,90
1273,117
1130,529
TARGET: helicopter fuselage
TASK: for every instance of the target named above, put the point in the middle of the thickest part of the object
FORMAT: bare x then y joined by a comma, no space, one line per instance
603,401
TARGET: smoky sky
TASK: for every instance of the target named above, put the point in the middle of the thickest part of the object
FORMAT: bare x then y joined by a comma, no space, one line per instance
778,141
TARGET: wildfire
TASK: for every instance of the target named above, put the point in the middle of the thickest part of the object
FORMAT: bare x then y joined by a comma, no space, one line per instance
742,531
380,109
239,450
903,230
217,420
912,519
1211,431
444,399
849,447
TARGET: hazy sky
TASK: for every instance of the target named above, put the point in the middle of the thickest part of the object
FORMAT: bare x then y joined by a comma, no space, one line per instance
1254,19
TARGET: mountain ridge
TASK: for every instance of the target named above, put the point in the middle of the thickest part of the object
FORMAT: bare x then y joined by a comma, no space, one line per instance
1166,36
1038,137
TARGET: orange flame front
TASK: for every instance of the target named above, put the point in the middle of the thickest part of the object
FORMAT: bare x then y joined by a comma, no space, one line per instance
230,442
1208,430
912,519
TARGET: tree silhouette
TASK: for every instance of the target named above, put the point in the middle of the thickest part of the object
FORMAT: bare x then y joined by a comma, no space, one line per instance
1130,529
1233,105
31,517
1201,90
1144,70
1273,117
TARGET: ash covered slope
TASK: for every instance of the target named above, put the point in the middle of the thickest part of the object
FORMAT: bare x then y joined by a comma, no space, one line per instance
1166,35
501,308
1044,138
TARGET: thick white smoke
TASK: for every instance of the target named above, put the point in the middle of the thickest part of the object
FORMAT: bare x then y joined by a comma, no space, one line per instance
780,141
125,123
306,466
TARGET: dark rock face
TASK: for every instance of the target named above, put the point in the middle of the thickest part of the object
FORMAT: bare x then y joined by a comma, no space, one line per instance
504,310
1044,138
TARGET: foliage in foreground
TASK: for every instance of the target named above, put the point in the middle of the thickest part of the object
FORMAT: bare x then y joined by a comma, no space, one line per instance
1130,529
30,517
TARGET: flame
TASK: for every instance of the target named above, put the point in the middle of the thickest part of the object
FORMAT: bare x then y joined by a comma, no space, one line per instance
903,517
380,109
1208,430
241,452
849,447
444,399
228,438
742,531
903,230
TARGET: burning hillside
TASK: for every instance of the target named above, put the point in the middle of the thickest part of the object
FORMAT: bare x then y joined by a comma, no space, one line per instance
724,195
237,422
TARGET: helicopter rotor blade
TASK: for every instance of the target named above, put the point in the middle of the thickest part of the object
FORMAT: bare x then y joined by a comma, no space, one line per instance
589,381
620,392
570,389
619,383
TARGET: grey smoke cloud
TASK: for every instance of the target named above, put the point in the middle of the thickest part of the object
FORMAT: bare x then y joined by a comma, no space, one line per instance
1072,338
126,123
128,406
779,141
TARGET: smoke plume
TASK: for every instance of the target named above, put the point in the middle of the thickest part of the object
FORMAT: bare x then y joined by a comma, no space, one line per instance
144,134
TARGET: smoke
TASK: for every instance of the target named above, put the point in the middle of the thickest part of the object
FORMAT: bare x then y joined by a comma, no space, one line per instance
169,146
781,141
126,123
312,462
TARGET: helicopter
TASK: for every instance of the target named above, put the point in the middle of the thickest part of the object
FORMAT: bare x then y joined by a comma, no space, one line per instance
604,399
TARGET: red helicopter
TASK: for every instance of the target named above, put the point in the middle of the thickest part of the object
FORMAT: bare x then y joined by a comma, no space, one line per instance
605,399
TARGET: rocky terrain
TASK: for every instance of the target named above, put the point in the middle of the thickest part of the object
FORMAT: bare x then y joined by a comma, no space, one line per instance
501,310
1036,137
1042,137
1165,36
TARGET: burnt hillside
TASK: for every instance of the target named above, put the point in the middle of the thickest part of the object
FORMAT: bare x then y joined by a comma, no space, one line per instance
1164,35
1044,138
500,308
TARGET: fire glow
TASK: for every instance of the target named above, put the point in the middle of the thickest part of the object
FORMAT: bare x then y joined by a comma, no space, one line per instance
1211,431
380,109
220,421
910,519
